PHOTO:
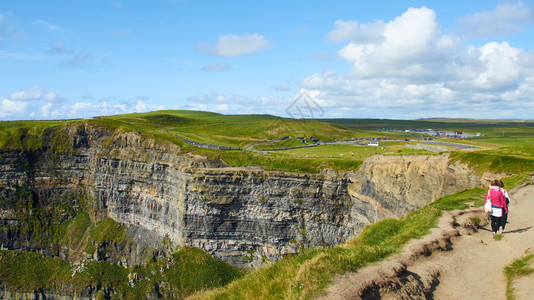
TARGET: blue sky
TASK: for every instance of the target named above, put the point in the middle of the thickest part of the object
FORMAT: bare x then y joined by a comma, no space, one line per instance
352,59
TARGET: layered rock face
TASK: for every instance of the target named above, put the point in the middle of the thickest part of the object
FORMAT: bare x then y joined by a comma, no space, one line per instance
244,216
401,184
257,216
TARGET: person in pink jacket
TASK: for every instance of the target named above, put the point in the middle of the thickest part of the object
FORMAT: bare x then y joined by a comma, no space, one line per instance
498,206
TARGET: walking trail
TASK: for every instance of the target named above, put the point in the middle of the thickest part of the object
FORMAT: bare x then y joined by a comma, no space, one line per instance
455,261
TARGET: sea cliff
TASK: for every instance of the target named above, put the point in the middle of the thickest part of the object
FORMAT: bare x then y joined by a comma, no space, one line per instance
164,198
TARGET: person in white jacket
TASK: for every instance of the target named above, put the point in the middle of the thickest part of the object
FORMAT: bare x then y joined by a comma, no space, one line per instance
505,215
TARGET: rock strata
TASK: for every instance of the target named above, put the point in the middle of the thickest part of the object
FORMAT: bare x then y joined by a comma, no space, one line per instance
166,198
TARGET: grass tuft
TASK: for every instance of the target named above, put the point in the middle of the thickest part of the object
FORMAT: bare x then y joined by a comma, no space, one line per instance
518,268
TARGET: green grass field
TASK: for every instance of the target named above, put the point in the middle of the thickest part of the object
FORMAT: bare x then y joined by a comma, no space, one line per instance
506,146
503,143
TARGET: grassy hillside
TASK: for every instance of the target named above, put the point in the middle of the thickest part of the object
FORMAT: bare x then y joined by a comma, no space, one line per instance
503,143
505,147
257,132
237,131
264,133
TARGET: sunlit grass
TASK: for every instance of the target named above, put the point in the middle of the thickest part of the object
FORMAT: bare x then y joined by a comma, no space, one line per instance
523,266
508,147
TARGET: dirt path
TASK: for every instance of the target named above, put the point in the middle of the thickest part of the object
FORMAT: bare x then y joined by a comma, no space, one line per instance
465,275
455,261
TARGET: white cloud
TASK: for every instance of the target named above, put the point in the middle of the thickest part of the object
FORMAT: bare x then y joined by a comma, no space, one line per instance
410,47
38,103
10,107
414,70
221,107
497,67
198,106
88,109
506,18
343,31
140,106
352,31
232,45
46,110
33,93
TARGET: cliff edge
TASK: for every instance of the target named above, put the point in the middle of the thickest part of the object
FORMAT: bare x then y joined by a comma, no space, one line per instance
164,198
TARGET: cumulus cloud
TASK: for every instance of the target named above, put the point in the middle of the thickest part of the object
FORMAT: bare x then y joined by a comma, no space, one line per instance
410,45
415,70
505,19
492,67
232,45
10,107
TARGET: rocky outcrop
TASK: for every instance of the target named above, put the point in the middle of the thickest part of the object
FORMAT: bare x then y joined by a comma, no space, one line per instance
397,185
166,198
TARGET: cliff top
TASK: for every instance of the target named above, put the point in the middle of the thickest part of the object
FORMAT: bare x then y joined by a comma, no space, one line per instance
306,146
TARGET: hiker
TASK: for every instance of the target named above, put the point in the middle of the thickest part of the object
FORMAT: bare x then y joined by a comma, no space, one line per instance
504,219
498,206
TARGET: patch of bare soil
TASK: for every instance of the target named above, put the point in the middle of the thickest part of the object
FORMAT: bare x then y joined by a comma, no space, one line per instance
455,261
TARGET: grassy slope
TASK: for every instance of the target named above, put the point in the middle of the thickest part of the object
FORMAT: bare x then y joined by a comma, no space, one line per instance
306,274
236,131
186,271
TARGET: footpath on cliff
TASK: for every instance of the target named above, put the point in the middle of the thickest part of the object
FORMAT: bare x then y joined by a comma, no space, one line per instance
457,260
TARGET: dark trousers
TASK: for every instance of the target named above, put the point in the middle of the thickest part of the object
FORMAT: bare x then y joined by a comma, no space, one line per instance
504,220
496,223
